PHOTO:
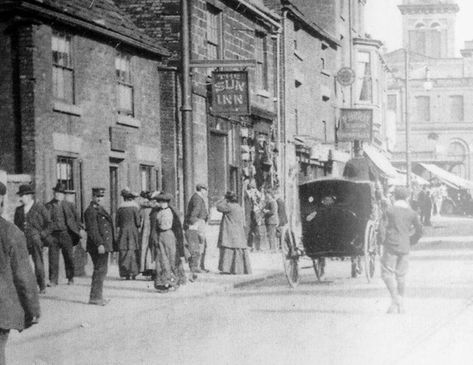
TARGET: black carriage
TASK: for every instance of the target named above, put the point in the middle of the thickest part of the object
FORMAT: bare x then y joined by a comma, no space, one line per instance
339,219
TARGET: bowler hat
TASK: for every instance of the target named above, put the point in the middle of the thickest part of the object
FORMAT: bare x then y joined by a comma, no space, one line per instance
26,189
100,192
3,189
59,188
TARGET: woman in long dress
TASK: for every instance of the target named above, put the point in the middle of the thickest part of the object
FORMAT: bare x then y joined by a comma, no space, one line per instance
167,240
234,257
128,223
147,264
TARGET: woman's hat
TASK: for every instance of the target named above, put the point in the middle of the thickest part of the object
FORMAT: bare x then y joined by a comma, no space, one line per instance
59,188
163,197
231,196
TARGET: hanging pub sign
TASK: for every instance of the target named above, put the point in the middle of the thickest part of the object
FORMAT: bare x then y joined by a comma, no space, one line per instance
355,124
230,93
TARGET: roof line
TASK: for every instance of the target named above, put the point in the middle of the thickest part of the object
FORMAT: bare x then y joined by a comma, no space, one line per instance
51,13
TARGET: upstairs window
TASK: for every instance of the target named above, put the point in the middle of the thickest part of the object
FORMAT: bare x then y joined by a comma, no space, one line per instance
145,177
456,108
214,30
63,71
423,108
124,84
365,81
261,62
435,39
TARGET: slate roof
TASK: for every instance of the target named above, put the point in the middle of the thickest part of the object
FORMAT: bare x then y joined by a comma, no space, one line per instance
102,16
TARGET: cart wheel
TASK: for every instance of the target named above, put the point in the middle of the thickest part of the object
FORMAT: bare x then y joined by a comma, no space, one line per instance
319,267
370,248
290,258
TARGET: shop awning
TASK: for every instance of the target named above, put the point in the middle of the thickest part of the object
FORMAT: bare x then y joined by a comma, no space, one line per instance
380,161
401,179
447,177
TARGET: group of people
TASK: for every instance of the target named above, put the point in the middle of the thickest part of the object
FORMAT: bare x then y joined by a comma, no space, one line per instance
265,217
429,200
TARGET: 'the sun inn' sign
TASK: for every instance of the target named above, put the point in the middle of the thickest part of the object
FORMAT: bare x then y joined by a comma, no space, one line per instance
230,93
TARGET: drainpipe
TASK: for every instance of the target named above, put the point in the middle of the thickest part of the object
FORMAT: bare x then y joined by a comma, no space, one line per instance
186,108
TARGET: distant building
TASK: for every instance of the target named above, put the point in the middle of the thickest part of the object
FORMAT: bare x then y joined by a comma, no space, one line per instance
79,98
440,89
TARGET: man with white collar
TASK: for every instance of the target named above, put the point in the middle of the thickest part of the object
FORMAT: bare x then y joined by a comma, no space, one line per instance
400,220
33,219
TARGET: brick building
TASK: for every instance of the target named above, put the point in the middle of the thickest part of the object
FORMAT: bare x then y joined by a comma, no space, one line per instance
79,98
440,89
226,150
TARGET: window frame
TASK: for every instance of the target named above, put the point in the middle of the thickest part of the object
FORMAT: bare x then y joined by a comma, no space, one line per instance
261,57
63,68
423,118
148,169
124,82
365,78
217,41
462,110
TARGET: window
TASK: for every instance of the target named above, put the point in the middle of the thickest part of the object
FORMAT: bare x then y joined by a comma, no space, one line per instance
124,87
456,108
65,172
435,40
145,175
63,71
365,82
423,108
417,41
392,102
214,30
261,62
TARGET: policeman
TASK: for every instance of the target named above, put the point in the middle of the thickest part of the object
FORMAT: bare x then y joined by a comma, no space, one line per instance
100,241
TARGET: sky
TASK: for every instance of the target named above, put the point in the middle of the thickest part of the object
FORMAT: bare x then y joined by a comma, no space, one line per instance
383,21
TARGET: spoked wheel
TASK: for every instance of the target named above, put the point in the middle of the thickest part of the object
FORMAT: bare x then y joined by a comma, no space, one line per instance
369,248
290,258
319,267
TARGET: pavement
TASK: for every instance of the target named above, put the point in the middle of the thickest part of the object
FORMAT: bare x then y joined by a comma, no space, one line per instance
65,308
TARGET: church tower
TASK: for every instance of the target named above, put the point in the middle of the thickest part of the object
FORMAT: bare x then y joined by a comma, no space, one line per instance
429,27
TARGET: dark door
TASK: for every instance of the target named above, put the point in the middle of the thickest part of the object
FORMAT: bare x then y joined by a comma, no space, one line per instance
218,167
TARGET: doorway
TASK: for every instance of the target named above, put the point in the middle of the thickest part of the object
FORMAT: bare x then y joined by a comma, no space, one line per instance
218,166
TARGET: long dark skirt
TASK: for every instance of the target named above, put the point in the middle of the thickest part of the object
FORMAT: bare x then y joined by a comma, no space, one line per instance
169,269
128,263
234,261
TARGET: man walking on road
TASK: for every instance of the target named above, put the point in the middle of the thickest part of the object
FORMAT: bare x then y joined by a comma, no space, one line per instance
33,219
19,303
400,220
100,241
66,234
196,219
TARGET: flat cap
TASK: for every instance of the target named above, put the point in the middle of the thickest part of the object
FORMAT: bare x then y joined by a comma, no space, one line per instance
199,187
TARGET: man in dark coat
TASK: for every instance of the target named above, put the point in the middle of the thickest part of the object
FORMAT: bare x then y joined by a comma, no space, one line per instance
33,219
425,205
401,220
19,303
359,168
195,222
100,241
65,234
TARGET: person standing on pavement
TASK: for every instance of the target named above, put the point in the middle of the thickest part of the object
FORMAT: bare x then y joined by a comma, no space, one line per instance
167,241
100,242
254,201
128,222
19,302
271,219
400,221
282,216
234,257
196,219
65,234
32,218
425,205
147,266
